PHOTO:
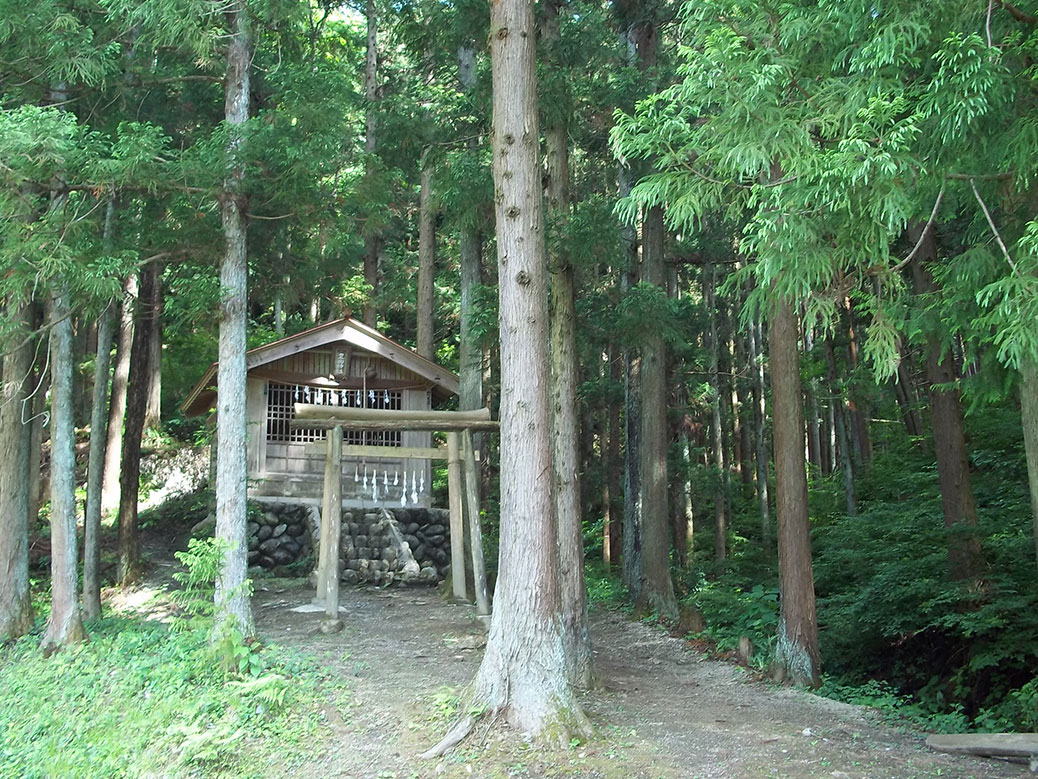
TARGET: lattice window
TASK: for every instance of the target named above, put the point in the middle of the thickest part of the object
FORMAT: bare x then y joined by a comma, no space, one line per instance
281,400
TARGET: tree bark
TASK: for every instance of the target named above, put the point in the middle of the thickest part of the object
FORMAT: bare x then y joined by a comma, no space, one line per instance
612,543
136,409
1029,418
524,674
426,262
16,618
843,445
232,594
153,406
117,403
796,652
65,625
372,239
965,558
95,466
657,591
716,421
631,534
565,432
760,440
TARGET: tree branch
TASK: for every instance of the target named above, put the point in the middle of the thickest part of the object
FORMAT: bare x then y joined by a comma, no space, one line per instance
1019,15
926,228
994,230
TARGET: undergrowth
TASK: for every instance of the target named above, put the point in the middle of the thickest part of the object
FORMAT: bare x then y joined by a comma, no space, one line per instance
143,698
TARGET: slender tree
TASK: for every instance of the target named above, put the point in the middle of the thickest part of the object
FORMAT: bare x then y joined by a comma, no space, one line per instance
136,413
65,626
426,261
117,400
232,596
564,378
98,438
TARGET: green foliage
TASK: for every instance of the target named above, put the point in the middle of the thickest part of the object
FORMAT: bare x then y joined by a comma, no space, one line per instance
730,612
67,715
888,611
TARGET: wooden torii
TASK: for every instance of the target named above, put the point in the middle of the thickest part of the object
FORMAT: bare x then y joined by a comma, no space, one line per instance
462,479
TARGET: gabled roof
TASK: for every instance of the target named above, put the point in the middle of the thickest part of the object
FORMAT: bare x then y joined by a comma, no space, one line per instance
444,383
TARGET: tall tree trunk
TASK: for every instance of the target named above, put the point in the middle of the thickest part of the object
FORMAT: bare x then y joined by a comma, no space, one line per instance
744,406
232,596
523,675
1029,418
612,506
372,239
716,421
16,617
906,394
136,408
657,591
796,651
98,436
965,558
760,440
631,533
65,625
117,403
565,431
470,246
426,261
843,445
858,426
153,407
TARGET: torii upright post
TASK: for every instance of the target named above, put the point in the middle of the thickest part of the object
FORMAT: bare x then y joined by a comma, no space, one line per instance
330,532
454,490
479,568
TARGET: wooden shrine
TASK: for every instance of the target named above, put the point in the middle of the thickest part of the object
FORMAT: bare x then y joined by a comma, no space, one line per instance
341,364
462,477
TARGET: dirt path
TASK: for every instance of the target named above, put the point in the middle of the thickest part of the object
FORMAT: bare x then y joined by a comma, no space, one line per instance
662,710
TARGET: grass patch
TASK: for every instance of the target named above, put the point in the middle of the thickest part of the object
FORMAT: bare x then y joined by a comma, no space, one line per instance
138,699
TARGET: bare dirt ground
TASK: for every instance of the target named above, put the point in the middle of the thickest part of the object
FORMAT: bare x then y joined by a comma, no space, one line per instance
661,708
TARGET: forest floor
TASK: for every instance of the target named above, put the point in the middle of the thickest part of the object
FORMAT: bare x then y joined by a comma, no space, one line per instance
662,708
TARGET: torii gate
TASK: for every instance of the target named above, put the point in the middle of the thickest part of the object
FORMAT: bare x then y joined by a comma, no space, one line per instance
462,477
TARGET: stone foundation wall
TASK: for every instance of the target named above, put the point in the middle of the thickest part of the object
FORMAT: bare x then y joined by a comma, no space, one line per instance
375,547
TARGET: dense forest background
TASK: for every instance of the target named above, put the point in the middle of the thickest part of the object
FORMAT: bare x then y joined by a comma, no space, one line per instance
792,248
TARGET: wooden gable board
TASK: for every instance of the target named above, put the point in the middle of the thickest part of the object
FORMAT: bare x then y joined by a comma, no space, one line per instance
350,331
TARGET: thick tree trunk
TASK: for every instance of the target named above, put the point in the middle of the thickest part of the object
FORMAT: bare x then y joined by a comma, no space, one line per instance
426,262
372,240
965,558
232,595
95,464
565,431
657,591
65,625
1029,418
16,617
117,403
796,652
524,674
136,408
153,407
